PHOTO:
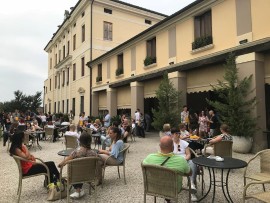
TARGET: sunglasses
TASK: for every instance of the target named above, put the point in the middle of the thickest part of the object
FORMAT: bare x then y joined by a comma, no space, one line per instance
179,149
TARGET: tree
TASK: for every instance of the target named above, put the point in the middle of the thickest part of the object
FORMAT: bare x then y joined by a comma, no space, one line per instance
235,104
22,102
169,104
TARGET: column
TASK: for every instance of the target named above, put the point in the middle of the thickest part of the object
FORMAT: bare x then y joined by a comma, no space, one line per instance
253,64
112,101
179,81
137,97
94,104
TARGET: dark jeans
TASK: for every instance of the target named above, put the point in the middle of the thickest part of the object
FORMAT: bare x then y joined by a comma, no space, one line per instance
37,168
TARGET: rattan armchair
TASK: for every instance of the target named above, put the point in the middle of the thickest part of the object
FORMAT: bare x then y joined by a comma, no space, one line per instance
71,142
21,176
262,196
81,170
49,133
264,173
222,149
160,181
124,151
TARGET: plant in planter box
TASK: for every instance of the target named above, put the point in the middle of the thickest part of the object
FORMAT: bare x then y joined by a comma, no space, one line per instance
201,42
236,105
169,105
149,60
119,71
98,78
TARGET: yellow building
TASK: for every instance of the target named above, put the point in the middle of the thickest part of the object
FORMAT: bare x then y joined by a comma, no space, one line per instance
89,30
192,46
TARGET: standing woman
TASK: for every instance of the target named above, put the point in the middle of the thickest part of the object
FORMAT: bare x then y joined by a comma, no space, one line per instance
28,168
7,122
115,148
203,121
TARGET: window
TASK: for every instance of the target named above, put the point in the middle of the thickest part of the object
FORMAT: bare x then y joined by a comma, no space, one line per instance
59,58
46,89
148,22
67,105
50,63
55,59
203,25
120,65
74,25
45,108
63,106
74,71
73,106
99,74
82,14
59,81
64,51
67,76
55,81
107,27
58,107
106,10
74,42
54,107
63,78
82,104
83,33
50,107
150,52
50,84
68,45
83,66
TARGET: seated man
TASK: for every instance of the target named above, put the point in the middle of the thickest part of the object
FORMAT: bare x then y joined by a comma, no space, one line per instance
174,162
72,132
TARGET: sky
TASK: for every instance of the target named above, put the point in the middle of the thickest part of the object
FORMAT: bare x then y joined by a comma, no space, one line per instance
25,29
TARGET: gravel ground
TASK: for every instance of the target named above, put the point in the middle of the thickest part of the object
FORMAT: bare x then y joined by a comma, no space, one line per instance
114,189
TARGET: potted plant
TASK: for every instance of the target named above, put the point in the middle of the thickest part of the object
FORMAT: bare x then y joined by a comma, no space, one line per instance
98,78
169,105
236,105
119,71
149,60
201,42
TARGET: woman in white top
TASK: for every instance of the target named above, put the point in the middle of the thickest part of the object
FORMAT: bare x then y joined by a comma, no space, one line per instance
180,147
184,134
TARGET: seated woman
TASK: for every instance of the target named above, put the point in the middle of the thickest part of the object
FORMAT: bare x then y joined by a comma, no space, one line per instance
180,147
106,140
84,151
126,132
28,168
115,148
184,134
224,128
167,129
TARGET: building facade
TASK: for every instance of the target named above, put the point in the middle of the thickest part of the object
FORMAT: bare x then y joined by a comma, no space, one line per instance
89,30
191,45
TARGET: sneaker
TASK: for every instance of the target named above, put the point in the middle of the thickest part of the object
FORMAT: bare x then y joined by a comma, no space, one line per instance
193,189
194,198
75,195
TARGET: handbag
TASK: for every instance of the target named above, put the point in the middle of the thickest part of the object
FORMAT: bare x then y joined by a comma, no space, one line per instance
56,191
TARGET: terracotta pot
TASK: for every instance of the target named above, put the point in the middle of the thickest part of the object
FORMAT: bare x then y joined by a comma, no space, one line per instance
242,144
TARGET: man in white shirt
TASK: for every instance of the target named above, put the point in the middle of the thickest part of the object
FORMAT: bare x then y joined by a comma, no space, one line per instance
137,123
107,119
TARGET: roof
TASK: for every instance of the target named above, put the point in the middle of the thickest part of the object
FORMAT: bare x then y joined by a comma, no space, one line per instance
116,1
147,30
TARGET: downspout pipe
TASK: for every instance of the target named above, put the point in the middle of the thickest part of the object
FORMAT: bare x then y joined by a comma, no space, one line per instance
91,54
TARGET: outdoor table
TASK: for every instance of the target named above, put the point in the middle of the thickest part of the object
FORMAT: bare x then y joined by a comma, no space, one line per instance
65,152
211,164
36,135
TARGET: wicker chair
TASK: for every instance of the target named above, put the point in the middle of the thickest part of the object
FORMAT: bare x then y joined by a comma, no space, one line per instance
124,151
26,140
160,181
200,171
222,149
71,142
81,170
262,196
21,176
264,173
49,133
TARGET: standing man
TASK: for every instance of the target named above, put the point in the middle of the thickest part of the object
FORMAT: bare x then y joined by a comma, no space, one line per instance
213,123
147,118
107,119
185,116
137,122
